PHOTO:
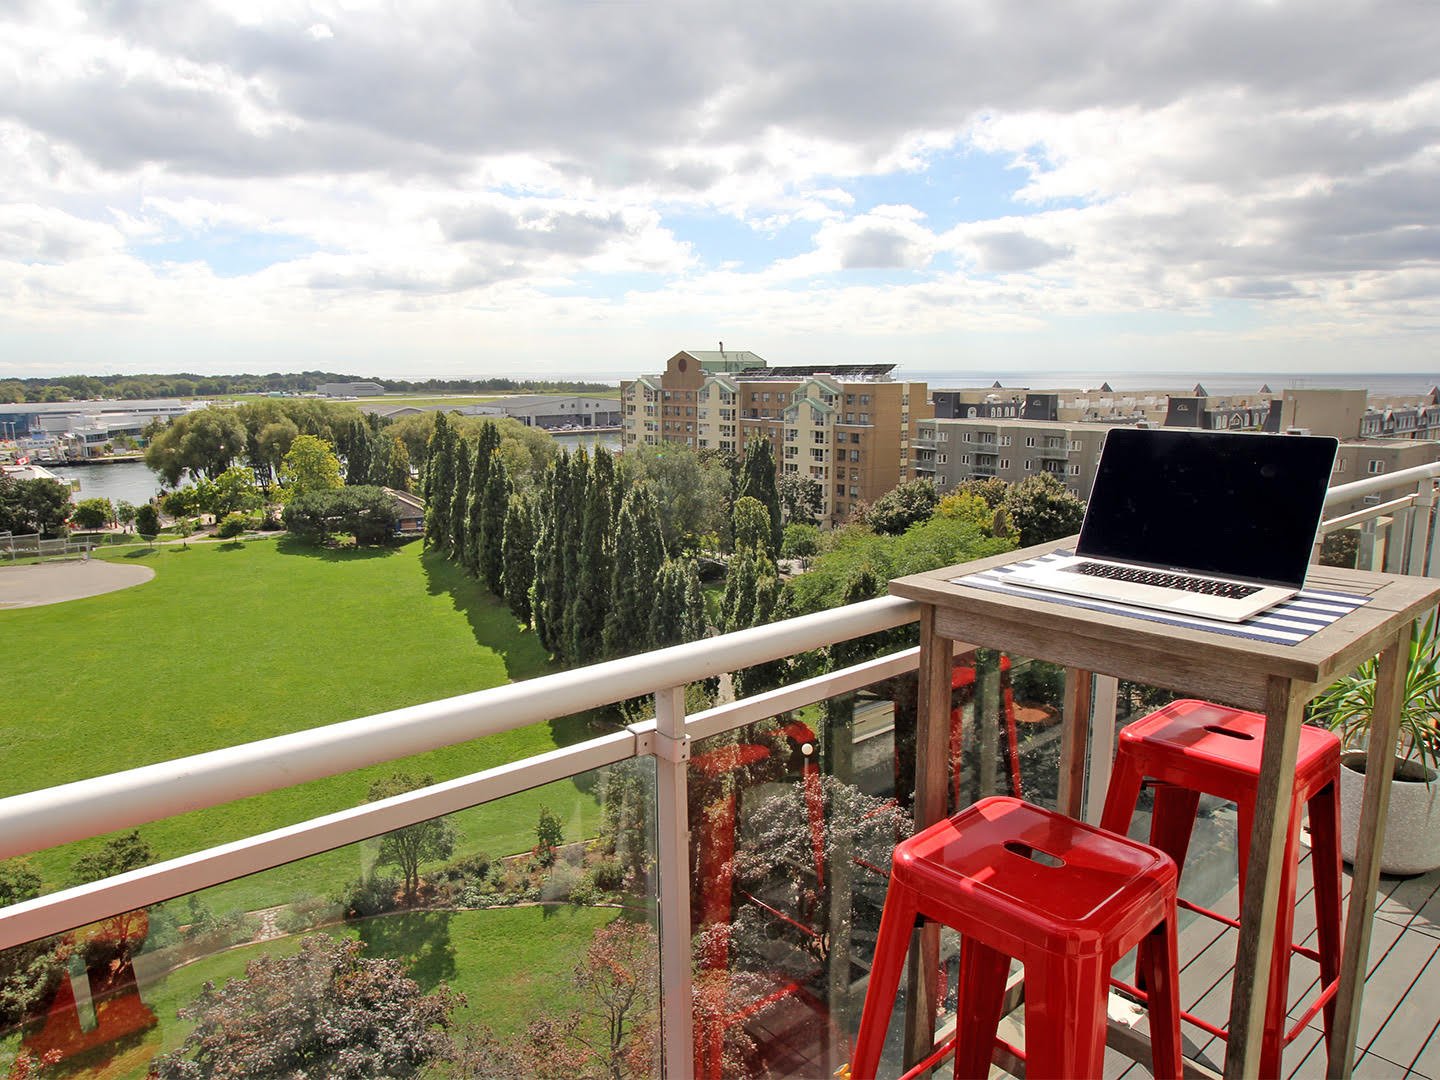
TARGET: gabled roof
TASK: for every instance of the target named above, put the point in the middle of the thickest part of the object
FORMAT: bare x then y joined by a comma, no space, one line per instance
1199,391
711,360
1105,388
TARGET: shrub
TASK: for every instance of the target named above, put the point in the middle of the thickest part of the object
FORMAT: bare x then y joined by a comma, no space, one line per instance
231,524
561,882
608,875
584,893
371,895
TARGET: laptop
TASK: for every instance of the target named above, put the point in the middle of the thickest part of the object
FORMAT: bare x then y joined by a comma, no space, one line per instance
1215,524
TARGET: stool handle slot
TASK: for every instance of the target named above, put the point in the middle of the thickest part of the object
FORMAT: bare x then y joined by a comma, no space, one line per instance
1216,729
1026,851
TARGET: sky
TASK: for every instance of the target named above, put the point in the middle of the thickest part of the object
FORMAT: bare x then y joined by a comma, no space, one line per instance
537,188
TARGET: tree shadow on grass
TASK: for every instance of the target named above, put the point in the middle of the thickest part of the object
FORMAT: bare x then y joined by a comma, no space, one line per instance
495,627
141,553
419,939
230,545
289,545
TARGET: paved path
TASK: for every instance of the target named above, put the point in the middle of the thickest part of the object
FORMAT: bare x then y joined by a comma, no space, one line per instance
71,579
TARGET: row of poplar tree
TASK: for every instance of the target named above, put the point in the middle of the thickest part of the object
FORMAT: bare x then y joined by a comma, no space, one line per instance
579,555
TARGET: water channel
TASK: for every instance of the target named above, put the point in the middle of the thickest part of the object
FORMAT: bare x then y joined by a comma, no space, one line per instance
132,482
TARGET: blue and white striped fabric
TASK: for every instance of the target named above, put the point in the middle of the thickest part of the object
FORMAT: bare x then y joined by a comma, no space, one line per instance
1287,623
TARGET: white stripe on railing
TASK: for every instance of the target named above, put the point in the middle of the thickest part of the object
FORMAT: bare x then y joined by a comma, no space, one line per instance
41,819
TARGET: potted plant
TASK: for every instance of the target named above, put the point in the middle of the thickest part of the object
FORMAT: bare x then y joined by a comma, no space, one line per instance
1412,832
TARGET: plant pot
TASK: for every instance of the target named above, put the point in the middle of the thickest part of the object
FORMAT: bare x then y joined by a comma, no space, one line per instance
1411,844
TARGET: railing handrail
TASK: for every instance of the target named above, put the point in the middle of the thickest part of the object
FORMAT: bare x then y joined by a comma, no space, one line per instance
1356,489
40,819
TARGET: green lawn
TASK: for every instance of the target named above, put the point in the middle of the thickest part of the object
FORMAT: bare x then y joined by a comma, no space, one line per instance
231,643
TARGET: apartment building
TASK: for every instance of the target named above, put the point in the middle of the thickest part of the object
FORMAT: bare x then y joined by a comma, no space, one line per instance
847,426
950,451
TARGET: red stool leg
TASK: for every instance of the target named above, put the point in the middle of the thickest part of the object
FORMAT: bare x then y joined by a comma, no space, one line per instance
1065,1017
1173,820
1325,864
1272,1045
1160,957
981,996
1122,794
897,919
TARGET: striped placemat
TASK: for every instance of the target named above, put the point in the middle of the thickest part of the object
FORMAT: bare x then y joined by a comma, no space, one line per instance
1286,623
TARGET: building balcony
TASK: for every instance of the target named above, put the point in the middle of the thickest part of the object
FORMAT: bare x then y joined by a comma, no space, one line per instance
730,858
1052,453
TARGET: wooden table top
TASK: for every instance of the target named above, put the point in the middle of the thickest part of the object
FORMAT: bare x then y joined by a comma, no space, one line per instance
1225,668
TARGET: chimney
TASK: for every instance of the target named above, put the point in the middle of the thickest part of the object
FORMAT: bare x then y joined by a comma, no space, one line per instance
722,348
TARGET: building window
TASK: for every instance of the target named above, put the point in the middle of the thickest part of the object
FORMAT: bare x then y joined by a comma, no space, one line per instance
854,455
1004,463
854,436
969,436
864,418
944,459
839,489
1376,466
964,459
1075,470
1004,440
1029,464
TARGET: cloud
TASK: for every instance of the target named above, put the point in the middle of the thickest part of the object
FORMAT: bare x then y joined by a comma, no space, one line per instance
515,166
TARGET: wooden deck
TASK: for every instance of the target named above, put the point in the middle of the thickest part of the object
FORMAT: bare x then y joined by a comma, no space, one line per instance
1400,1014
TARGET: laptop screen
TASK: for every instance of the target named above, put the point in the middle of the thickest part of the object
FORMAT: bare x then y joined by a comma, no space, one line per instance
1221,503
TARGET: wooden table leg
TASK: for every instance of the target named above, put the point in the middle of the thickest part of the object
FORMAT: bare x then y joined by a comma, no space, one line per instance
1074,739
1284,714
932,766
1389,690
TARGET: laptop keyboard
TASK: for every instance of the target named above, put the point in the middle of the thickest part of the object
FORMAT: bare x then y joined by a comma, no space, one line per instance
1165,581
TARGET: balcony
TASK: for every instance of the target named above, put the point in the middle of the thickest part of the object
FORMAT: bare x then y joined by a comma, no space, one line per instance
744,843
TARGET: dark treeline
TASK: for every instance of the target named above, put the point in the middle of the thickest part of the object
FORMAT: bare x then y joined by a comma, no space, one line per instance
576,549
188,384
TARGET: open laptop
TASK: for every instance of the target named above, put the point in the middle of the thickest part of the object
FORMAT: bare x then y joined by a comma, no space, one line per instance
1215,524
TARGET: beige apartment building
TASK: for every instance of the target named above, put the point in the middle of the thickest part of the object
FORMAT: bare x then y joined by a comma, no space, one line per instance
951,450
847,426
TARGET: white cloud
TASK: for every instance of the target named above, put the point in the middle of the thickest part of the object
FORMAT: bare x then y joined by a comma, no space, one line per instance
446,171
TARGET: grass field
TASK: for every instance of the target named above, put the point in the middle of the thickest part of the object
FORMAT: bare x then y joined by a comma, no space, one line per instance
230,643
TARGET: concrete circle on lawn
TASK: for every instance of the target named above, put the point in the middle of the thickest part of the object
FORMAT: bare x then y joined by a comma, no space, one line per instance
72,579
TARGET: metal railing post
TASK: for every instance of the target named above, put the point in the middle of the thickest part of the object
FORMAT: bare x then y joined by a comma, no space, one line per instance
1395,542
1102,746
672,801
1420,525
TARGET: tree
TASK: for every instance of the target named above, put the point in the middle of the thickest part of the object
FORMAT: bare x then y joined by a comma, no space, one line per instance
18,881
800,542
490,544
992,489
93,513
547,601
204,443
589,598
185,501
391,464
677,612
639,555
1040,509
549,835
460,543
519,553
757,480
233,492
33,506
118,855
125,513
692,492
405,849
272,443
325,1011
902,506
366,513
147,520
310,465
752,527
802,498
439,486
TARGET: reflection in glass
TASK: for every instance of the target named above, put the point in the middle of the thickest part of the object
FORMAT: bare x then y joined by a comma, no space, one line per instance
432,956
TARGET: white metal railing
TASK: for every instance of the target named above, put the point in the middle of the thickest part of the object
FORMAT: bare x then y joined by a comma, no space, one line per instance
1397,534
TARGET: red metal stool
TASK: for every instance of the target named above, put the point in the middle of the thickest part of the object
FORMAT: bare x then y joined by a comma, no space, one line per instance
1190,748
1065,899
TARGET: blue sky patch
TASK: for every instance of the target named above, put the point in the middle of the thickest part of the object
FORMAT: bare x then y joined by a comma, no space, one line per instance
228,252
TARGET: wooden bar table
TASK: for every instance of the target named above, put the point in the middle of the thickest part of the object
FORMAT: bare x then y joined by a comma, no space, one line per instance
1275,680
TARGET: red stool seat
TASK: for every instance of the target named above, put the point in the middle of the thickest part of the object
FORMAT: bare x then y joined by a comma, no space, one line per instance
1065,899
1189,748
